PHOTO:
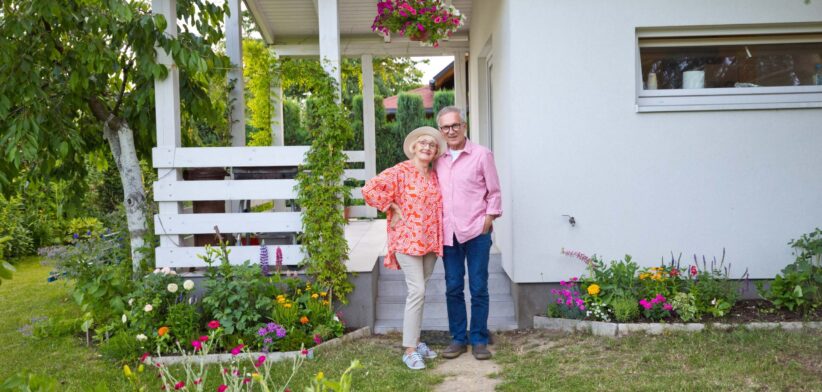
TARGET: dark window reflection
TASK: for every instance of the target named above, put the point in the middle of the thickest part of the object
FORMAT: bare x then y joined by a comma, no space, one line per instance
732,65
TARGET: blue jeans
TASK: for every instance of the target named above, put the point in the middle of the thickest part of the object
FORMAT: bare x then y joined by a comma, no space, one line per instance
477,251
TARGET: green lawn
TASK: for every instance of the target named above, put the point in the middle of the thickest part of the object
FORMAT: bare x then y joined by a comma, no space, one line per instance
709,361
531,361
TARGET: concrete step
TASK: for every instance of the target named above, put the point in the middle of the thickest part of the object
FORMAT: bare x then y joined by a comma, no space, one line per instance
494,265
498,283
382,326
393,307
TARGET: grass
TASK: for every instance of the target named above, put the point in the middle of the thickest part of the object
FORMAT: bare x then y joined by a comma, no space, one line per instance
727,361
534,360
29,297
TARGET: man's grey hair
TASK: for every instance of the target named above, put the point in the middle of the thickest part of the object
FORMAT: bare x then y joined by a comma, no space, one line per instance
451,109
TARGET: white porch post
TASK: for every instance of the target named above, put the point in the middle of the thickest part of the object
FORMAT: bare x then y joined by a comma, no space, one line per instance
234,49
368,122
460,92
278,127
167,110
328,15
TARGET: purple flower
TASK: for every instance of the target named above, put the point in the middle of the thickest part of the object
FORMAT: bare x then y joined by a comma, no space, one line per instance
268,340
280,332
582,307
76,236
264,259
262,332
278,258
559,301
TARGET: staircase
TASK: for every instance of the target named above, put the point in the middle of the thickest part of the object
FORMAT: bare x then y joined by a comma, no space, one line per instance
392,291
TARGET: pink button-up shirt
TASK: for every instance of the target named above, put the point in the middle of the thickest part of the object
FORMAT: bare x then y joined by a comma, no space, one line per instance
470,191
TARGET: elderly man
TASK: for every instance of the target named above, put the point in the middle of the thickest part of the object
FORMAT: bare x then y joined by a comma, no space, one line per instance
471,202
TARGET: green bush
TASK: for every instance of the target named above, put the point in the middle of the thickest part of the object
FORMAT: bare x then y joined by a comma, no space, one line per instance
16,226
684,305
83,228
625,309
122,346
28,382
799,287
295,133
442,99
410,113
6,269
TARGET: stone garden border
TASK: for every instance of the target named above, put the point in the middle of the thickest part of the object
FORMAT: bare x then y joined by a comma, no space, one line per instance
273,357
600,328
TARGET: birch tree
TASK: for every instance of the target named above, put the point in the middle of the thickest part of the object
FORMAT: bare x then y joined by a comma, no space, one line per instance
76,75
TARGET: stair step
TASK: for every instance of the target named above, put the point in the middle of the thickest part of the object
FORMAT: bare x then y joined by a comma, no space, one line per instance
383,326
494,265
394,308
498,283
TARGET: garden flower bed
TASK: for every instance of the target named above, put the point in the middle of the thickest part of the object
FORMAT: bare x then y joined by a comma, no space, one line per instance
620,297
271,356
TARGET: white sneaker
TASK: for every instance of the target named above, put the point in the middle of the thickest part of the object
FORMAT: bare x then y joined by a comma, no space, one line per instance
414,361
425,351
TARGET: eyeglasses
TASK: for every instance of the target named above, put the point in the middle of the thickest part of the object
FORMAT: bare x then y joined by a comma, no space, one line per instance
448,128
431,145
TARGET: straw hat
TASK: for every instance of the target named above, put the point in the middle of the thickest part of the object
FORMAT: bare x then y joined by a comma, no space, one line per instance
412,137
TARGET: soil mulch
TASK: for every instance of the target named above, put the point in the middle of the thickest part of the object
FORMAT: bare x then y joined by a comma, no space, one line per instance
757,310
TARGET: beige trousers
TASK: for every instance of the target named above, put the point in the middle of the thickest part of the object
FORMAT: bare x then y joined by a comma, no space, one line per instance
417,270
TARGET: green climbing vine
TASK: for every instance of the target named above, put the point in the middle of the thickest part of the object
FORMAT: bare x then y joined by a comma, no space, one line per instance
320,186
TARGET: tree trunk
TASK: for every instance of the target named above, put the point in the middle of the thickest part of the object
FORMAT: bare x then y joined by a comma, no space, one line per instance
121,141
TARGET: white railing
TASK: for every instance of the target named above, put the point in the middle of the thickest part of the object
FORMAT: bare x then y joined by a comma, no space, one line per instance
172,225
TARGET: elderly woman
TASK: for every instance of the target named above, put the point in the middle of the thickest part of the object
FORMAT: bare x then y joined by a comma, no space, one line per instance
409,194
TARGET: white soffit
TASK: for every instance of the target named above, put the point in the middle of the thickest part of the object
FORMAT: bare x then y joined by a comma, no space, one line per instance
290,20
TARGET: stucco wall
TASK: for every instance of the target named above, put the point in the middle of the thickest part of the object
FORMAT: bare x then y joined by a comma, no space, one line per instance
568,140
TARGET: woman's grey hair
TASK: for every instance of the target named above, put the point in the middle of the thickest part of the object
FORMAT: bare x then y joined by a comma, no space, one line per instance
451,109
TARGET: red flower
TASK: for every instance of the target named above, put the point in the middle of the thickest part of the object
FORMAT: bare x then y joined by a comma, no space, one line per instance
198,345
260,361
693,270
213,324
222,388
304,352
237,350
203,338
143,357
674,272
179,385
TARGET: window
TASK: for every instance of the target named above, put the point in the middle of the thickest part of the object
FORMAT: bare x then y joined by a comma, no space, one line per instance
728,68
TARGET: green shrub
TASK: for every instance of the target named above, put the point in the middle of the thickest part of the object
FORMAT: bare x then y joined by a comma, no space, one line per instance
16,226
799,287
28,382
83,228
625,309
684,305
6,269
183,321
442,99
410,113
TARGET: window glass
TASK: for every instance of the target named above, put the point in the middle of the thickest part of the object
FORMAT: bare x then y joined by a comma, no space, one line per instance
731,62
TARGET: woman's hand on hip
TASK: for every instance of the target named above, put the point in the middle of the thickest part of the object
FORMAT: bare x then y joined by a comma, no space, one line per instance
397,215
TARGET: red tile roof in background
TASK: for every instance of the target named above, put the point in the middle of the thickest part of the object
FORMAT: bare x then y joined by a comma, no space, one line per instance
427,94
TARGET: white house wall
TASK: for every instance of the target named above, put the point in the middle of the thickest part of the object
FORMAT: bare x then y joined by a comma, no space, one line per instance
568,140
487,28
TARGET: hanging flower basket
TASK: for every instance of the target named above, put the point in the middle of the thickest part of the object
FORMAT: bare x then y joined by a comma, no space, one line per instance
426,21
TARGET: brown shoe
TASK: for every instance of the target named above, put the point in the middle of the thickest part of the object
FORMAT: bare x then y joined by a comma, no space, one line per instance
480,352
453,350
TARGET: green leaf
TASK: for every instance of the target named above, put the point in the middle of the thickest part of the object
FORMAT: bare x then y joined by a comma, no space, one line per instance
797,291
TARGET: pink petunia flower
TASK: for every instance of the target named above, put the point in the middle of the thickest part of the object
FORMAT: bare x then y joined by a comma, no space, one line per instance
645,304
667,307
237,350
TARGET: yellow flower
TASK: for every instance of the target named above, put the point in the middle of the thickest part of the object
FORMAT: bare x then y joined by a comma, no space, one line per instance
593,289
256,376
287,306
657,276
323,294
127,371
314,296
644,276
281,296
320,376
299,291
326,302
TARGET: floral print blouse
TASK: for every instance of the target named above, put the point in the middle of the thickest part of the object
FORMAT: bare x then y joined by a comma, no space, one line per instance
420,232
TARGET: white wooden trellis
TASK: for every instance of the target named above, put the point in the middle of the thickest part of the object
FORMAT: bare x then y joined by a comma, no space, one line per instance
172,224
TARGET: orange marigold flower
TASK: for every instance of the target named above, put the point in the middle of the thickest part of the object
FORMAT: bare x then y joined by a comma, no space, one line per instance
304,320
162,331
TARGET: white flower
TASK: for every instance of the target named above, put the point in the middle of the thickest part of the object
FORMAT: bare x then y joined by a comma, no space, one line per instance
166,270
156,270
172,272
141,337
125,319
172,287
188,285
148,308
336,318
131,302
713,301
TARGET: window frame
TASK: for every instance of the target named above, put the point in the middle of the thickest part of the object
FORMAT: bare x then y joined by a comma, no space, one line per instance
725,98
